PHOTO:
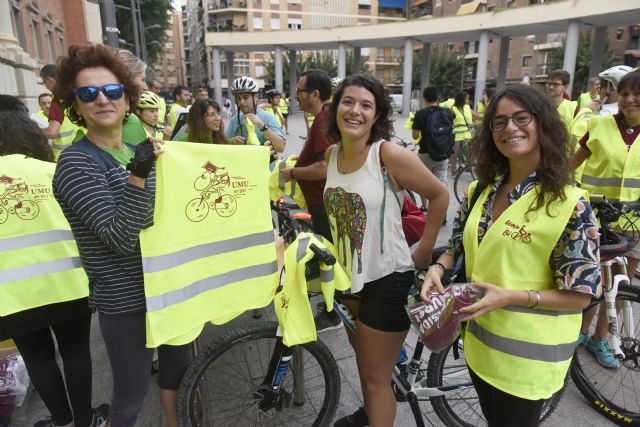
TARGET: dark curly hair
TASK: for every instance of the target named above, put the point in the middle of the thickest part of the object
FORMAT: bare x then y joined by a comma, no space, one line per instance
86,56
21,135
382,127
198,132
554,171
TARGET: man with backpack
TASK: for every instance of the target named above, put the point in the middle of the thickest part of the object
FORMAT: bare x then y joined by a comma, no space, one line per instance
434,126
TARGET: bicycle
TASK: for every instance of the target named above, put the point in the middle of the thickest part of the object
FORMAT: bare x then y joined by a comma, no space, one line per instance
443,380
613,392
210,182
13,201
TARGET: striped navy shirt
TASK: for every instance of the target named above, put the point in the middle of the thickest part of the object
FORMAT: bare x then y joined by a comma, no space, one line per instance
106,215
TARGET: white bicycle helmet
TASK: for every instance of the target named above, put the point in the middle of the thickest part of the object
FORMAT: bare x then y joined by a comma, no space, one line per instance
335,82
615,74
244,84
148,99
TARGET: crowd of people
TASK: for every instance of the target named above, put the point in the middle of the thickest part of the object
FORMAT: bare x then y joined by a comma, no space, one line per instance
537,156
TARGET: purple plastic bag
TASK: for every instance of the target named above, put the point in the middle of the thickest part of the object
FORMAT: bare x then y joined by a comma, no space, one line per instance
440,323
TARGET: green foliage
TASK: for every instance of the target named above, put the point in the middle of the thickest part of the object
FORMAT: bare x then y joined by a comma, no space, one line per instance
583,61
322,59
153,12
445,71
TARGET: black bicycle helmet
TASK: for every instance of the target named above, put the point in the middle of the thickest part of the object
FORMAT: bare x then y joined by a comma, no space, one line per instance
271,93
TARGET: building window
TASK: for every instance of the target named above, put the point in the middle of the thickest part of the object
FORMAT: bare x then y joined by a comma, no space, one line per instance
619,34
275,23
259,71
275,2
37,38
169,45
438,3
61,44
257,22
526,61
18,28
294,23
52,49
241,68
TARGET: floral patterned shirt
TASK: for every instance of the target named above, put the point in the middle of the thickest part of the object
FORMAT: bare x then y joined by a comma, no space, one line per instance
575,259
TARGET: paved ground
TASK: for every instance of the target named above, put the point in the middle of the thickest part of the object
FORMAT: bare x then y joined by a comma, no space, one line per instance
573,410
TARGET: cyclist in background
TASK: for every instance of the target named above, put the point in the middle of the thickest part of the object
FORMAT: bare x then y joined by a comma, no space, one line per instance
272,106
284,110
557,84
181,101
611,154
204,124
147,112
531,245
591,95
154,86
462,126
364,173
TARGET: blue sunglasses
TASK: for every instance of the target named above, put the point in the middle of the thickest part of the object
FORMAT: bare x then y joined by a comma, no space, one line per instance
113,91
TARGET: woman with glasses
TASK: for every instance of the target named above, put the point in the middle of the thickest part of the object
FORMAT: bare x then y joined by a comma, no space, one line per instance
106,190
204,124
531,245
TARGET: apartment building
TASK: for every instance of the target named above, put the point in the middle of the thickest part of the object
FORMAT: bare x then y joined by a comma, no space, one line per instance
169,69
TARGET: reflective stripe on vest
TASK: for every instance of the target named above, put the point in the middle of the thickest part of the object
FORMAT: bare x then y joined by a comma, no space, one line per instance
39,259
66,135
292,302
210,254
535,349
461,122
611,170
278,187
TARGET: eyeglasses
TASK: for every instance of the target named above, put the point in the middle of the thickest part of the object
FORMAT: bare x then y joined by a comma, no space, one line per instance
553,85
520,118
113,92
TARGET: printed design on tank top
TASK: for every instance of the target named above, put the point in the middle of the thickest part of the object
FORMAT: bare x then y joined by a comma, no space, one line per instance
350,216
16,199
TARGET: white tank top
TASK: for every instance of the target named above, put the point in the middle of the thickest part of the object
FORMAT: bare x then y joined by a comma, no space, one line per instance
354,203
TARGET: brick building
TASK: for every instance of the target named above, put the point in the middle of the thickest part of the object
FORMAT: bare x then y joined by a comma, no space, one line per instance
169,69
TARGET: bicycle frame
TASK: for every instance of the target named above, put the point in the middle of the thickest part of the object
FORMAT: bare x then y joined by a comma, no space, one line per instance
612,283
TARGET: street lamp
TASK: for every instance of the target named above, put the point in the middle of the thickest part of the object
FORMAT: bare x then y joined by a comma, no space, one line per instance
531,38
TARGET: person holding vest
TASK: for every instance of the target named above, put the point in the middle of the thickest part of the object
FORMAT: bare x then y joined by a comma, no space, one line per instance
592,94
36,304
284,110
365,174
61,131
107,206
204,124
147,112
531,245
610,152
462,126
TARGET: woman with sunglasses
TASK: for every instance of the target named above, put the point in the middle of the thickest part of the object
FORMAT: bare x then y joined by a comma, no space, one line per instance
106,190
531,246
204,124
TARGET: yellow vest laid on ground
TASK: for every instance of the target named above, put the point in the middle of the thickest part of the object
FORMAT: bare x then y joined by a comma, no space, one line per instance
210,254
566,109
462,122
39,260
292,303
522,351
284,106
66,135
278,187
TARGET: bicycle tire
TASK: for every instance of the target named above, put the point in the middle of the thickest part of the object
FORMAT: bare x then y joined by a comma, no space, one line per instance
223,380
461,408
610,392
464,177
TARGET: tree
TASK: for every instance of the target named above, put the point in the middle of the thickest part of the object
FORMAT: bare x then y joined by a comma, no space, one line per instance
153,12
445,71
322,59
583,60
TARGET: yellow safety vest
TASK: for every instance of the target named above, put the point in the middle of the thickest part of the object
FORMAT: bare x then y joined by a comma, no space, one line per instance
611,169
42,116
252,136
310,119
284,106
39,259
162,111
480,110
278,187
566,109
156,133
586,98
578,129
210,254
292,302
173,117
522,351
409,125
448,103
66,135
462,123
276,115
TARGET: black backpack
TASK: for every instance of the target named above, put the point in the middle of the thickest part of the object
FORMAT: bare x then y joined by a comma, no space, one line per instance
439,134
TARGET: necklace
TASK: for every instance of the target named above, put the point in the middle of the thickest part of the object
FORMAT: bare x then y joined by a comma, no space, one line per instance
630,129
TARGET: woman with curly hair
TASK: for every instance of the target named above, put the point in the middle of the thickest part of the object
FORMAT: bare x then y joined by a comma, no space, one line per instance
365,175
107,205
40,303
531,245
204,124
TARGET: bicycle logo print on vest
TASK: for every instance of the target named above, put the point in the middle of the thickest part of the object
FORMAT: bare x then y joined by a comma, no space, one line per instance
216,182
14,199
516,232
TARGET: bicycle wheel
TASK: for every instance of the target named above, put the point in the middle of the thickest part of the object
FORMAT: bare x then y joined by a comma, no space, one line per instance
464,178
222,386
460,407
614,392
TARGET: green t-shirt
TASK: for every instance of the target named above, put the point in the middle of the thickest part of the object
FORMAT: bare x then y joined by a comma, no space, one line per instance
122,156
132,131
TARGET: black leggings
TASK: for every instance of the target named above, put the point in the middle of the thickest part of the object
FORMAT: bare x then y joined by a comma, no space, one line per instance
39,353
505,410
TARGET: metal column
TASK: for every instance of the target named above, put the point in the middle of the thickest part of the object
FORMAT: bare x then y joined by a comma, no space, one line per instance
278,67
406,75
481,71
571,51
293,80
503,62
109,23
217,71
230,78
357,60
597,52
425,69
342,60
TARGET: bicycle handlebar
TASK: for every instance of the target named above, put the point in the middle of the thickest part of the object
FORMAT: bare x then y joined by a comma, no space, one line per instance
323,254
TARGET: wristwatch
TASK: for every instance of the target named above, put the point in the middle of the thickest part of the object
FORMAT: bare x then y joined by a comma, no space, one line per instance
264,128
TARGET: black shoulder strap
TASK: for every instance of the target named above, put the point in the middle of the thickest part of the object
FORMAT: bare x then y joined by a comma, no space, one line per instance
102,158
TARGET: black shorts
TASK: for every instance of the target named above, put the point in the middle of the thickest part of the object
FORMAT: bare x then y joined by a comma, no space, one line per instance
382,302
285,115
